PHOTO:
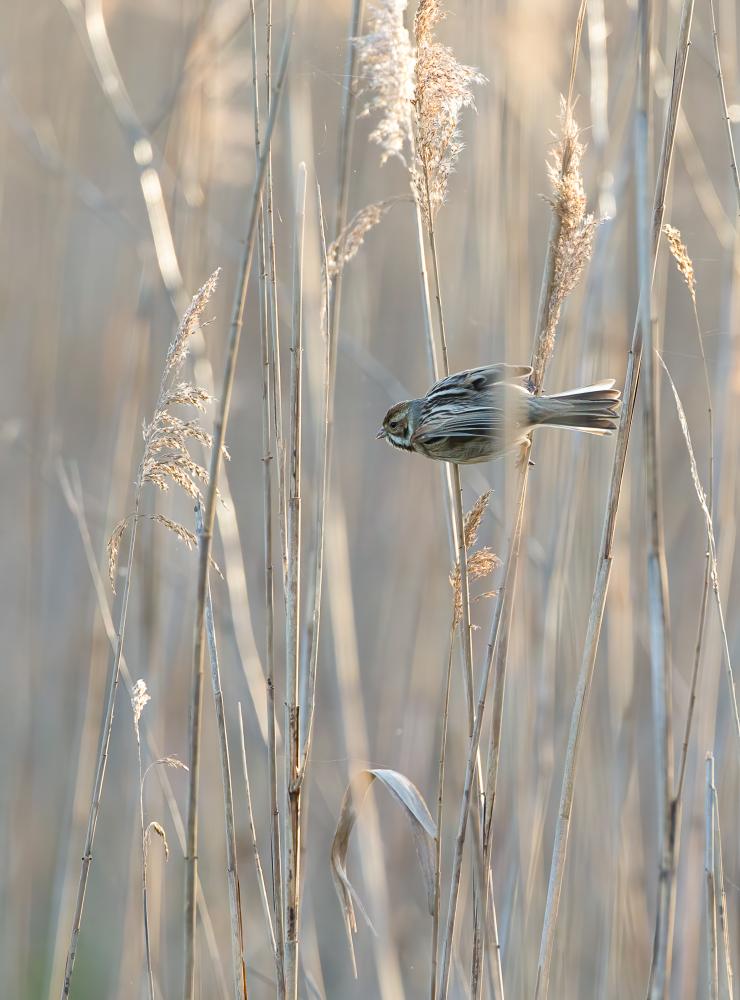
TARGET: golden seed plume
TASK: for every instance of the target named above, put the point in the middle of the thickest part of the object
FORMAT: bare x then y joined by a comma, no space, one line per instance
442,88
351,238
681,256
386,61
481,563
577,228
166,458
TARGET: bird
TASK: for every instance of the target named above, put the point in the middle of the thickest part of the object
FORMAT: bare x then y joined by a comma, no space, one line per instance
480,414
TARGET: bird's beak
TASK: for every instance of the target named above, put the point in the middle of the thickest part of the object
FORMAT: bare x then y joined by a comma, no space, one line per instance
380,434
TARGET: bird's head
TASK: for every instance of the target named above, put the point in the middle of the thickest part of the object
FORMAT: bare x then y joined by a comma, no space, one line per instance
397,429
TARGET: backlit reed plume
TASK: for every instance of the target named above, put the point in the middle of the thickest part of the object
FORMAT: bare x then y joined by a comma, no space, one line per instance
166,457
386,62
481,563
681,256
442,88
575,233
351,238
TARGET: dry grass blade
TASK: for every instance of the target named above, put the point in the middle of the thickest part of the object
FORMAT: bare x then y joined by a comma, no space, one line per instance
714,572
423,828
386,63
155,827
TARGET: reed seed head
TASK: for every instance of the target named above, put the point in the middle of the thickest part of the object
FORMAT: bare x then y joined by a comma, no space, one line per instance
442,88
386,60
681,256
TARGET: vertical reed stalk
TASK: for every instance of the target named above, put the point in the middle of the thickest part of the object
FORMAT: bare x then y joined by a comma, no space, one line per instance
603,571
270,377
232,872
206,538
105,731
292,723
711,894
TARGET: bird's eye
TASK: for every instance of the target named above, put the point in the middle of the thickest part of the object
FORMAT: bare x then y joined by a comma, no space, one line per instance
393,424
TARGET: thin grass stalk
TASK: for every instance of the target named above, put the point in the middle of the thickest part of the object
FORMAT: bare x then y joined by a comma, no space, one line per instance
601,584
277,391
346,133
270,377
292,722
440,800
725,112
657,575
318,550
466,632
144,873
723,915
206,538
74,501
501,625
253,839
467,790
232,872
104,744
710,896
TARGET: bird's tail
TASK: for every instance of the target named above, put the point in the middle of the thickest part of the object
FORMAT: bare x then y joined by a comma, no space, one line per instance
593,409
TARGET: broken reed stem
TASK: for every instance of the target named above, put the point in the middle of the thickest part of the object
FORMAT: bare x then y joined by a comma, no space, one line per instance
253,840
711,897
292,611
318,550
270,378
104,743
239,968
206,539
603,571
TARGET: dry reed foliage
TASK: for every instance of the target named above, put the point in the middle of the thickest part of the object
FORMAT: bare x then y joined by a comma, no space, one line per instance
681,257
423,828
481,563
166,458
386,62
576,228
139,698
442,88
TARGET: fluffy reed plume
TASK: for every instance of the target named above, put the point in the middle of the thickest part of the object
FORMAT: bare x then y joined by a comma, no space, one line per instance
166,458
481,563
386,62
576,229
681,256
442,88
351,238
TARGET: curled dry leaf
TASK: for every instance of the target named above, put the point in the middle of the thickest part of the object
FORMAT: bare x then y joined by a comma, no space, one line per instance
423,828
157,828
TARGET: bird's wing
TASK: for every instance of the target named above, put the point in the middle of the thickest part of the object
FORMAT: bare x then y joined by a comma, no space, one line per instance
478,380
458,422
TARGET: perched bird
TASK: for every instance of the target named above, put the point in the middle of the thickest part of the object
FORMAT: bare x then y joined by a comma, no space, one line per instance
483,413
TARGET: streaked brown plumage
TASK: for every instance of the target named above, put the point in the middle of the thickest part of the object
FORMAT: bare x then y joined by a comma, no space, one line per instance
483,413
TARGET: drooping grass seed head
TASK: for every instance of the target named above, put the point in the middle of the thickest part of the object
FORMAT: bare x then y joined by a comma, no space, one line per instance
397,429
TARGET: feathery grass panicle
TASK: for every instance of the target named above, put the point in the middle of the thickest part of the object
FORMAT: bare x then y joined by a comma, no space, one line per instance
577,228
178,349
139,698
347,244
442,88
386,61
481,563
166,458
681,256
